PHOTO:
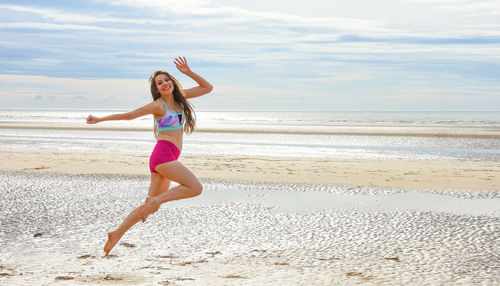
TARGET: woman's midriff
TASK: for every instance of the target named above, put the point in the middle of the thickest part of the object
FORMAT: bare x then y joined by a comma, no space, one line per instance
174,136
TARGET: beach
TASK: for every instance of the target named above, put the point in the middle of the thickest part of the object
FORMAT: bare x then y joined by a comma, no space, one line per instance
312,143
244,233
410,206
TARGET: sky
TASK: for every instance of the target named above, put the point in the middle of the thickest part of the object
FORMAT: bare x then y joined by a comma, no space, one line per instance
330,55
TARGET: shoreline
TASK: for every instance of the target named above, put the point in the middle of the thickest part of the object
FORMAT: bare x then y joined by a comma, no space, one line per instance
387,173
420,131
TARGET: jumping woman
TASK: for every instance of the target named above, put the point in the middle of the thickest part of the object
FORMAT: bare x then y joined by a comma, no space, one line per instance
173,115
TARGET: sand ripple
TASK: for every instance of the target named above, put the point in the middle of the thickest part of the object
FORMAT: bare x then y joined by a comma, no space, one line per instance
221,238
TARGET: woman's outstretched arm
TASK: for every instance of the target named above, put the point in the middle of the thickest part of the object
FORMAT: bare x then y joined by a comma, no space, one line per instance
150,108
203,87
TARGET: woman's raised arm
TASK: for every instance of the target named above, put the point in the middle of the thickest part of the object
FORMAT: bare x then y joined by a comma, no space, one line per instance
203,87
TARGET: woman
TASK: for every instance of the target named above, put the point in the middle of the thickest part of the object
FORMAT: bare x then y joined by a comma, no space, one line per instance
172,115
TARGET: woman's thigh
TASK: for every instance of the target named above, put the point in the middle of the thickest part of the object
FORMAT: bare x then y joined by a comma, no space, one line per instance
177,172
159,184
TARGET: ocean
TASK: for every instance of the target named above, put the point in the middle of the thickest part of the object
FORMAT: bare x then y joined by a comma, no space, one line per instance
462,136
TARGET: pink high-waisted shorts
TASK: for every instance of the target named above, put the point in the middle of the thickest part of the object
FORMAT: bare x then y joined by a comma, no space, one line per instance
164,151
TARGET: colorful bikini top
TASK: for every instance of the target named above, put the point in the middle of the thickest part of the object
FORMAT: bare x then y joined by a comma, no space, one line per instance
170,120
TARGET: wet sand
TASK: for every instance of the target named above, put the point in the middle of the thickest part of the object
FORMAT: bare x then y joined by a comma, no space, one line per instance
236,233
401,174
259,221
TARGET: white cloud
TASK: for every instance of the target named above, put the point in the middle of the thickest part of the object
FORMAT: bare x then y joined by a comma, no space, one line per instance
62,16
29,86
437,2
233,15
468,7
51,26
163,5
341,77
51,14
473,7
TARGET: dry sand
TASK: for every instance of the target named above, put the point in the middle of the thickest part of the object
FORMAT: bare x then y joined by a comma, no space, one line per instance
402,174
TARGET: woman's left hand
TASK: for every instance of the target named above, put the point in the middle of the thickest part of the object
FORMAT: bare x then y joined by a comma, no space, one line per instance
182,65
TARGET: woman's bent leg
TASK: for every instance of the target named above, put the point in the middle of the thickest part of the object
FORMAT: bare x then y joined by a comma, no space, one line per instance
189,186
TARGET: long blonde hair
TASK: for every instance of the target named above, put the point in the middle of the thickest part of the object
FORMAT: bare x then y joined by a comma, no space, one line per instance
190,116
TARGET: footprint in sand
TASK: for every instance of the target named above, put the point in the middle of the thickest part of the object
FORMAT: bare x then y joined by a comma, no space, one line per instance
126,244
60,278
191,262
111,278
171,256
393,259
234,277
181,279
5,274
360,275
213,253
353,274
98,278
86,256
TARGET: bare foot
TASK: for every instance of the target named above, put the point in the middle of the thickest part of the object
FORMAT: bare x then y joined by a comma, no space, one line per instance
113,239
150,206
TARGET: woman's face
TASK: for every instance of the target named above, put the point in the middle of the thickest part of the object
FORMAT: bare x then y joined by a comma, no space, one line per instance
164,84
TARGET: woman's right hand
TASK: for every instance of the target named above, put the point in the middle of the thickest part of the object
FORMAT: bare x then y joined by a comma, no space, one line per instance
182,65
92,119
